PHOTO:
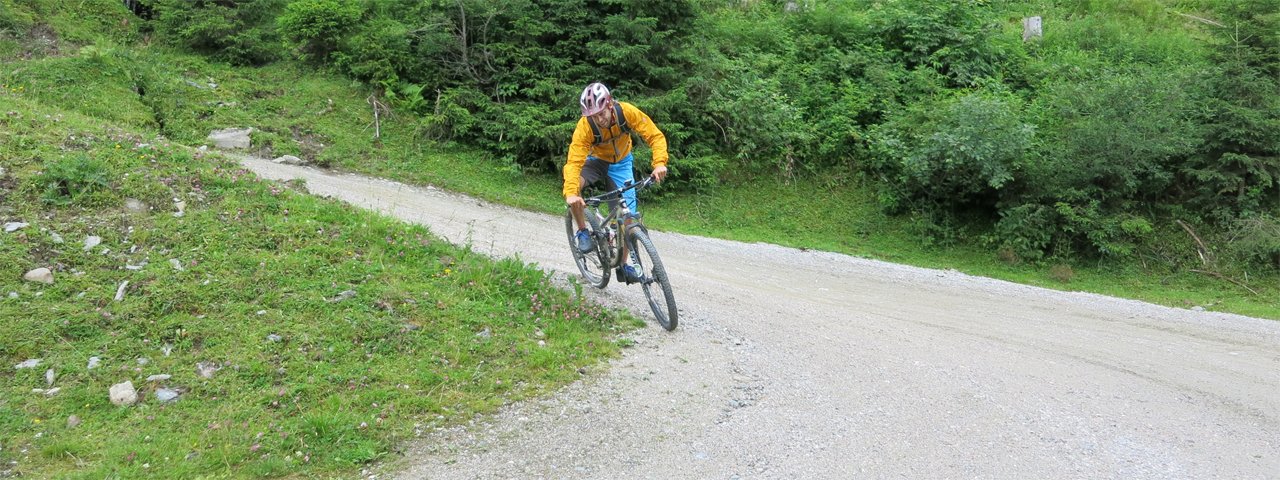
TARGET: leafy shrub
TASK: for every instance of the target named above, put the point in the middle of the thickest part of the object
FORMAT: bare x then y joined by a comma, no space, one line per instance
1236,173
1109,150
1255,241
951,37
316,26
957,154
378,53
1118,137
757,120
697,174
237,31
69,179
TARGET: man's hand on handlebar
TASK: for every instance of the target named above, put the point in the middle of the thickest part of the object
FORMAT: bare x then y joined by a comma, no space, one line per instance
659,173
575,201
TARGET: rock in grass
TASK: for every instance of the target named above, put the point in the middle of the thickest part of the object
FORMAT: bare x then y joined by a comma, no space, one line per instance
231,138
15,226
133,205
49,376
159,378
206,369
73,421
31,363
40,275
165,395
94,362
120,290
289,160
91,241
123,394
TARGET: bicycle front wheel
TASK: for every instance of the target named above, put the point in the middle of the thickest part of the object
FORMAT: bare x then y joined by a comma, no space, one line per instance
656,285
593,265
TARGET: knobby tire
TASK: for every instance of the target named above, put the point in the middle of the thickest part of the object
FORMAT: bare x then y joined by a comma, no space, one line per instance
657,288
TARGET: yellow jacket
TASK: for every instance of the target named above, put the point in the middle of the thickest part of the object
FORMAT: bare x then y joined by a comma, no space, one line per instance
614,145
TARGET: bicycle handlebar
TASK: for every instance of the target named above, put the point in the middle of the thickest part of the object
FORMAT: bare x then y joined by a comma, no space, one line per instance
604,197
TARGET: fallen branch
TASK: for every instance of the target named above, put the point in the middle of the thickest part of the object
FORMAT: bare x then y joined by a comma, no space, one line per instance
1202,250
1224,277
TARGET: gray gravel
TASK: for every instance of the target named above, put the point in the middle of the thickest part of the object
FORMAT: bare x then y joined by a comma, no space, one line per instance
795,364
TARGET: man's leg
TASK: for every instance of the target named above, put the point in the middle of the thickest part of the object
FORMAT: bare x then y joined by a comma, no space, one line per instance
594,170
622,173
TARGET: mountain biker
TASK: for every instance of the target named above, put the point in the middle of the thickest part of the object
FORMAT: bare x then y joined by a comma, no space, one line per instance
601,150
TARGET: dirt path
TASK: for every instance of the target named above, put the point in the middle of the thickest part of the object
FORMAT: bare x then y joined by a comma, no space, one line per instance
791,364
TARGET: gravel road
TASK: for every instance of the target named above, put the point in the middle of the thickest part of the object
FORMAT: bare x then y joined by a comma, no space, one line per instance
802,364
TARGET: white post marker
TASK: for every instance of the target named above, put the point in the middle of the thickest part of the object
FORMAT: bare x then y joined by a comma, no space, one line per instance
1031,28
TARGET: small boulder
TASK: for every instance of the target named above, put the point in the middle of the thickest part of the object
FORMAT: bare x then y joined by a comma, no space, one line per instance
289,160
32,363
133,205
165,395
41,275
91,241
120,290
123,394
206,369
231,138
15,226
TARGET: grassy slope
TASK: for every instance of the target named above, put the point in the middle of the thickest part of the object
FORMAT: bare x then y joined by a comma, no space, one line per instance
433,335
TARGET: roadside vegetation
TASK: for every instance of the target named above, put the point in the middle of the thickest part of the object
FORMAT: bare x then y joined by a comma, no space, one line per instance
265,332
1130,151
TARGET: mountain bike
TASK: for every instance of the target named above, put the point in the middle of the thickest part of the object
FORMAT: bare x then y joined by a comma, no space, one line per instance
613,225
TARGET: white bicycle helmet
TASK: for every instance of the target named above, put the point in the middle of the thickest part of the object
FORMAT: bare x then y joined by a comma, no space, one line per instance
594,99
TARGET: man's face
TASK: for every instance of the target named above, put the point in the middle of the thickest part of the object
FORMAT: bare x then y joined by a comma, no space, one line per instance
604,118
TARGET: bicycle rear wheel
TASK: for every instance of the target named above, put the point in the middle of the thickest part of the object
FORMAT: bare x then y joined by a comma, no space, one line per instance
593,265
656,285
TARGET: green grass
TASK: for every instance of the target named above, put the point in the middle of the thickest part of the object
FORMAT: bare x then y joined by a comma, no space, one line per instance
433,335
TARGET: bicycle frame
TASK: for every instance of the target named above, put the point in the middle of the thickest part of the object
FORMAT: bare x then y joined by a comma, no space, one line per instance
616,218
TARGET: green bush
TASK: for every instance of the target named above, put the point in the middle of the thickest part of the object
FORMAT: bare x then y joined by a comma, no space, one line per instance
1118,138
1254,241
237,31
378,53
958,154
316,26
954,38
1236,173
